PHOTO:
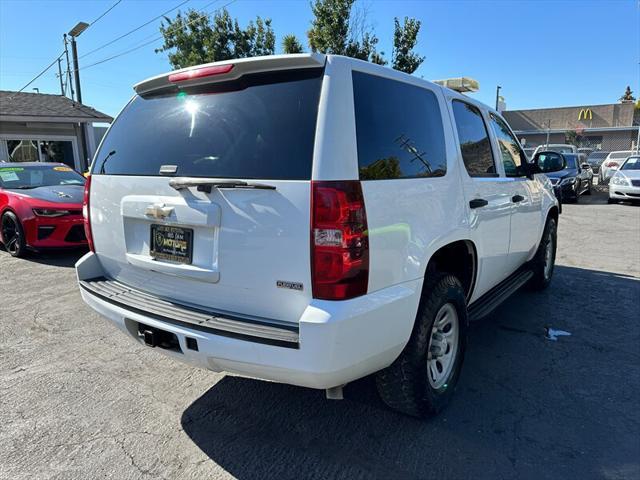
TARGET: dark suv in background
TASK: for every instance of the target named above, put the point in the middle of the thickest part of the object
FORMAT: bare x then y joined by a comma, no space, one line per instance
595,159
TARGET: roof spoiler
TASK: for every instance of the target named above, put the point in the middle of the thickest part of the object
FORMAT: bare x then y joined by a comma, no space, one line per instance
229,70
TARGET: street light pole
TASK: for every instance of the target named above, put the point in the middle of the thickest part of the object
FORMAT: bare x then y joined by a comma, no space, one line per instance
497,96
73,33
76,69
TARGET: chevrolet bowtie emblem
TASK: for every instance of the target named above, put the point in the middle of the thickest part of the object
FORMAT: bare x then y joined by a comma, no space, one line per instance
158,210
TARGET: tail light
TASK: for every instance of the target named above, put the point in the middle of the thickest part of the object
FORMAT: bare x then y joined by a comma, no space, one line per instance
200,72
612,164
339,240
86,213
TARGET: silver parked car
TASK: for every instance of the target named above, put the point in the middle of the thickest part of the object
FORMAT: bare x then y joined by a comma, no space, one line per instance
625,182
612,163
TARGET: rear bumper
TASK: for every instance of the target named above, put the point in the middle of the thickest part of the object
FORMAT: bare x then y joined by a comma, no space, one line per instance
620,192
337,342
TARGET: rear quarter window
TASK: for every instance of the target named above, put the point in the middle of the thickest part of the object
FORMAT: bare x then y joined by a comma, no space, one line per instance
261,126
398,128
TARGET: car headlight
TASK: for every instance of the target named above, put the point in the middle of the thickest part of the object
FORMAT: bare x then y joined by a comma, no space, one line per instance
50,213
619,180
568,181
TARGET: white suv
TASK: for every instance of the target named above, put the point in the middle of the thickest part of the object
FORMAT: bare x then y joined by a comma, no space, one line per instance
313,219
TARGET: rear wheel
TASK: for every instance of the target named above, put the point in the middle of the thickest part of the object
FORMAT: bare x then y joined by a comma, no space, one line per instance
544,261
422,379
12,235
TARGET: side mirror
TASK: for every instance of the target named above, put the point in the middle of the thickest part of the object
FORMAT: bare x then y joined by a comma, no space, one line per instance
586,166
547,162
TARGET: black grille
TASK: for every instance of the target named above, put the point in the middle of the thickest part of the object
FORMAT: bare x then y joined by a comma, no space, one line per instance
45,231
76,234
635,183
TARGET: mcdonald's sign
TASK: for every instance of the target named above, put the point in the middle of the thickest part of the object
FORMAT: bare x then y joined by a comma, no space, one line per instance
585,114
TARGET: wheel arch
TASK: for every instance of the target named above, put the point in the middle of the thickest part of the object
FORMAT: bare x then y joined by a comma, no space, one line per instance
460,258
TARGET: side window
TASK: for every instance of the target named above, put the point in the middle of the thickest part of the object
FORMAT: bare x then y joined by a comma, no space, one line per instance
513,157
398,128
474,140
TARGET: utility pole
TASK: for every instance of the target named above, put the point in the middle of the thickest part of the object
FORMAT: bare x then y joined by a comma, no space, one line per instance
60,76
66,52
548,132
497,96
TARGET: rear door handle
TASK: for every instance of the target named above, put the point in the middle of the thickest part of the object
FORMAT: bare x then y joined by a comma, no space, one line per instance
517,198
478,202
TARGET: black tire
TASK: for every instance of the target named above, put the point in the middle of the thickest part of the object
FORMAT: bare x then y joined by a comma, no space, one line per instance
13,235
541,276
405,386
611,200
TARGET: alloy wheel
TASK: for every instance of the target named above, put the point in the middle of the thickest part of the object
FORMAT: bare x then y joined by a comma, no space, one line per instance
10,234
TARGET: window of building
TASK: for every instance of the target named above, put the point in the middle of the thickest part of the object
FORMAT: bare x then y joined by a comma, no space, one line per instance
32,150
475,145
23,150
398,128
513,158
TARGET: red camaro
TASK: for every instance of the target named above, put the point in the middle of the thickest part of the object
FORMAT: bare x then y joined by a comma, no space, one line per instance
40,207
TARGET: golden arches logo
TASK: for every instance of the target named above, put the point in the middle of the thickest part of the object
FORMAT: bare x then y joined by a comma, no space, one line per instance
585,114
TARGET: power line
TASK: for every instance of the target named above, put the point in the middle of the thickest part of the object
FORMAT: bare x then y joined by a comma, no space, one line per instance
42,72
104,13
137,47
202,14
119,54
134,30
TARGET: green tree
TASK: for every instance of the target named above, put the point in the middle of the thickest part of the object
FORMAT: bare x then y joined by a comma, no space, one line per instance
382,168
628,96
335,29
194,38
405,38
291,44
572,137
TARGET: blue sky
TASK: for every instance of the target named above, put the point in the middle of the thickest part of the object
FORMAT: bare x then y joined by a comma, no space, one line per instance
543,53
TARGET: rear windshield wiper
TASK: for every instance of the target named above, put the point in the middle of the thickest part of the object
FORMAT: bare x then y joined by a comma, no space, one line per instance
205,185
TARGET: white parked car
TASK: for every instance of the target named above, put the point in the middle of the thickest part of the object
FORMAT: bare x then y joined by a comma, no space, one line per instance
556,147
625,183
612,163
313,219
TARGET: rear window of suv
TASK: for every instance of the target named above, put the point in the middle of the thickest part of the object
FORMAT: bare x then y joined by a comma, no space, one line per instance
261,126
398,128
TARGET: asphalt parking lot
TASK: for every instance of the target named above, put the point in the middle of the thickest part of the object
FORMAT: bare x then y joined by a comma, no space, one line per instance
79,400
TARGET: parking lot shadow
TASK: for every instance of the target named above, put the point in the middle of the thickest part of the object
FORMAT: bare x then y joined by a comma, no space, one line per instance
525,405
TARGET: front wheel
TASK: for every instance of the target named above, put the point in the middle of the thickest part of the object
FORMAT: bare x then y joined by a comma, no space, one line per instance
12,235
543,263
422,379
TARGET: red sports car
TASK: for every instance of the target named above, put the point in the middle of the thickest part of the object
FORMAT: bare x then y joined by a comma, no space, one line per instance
40,207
